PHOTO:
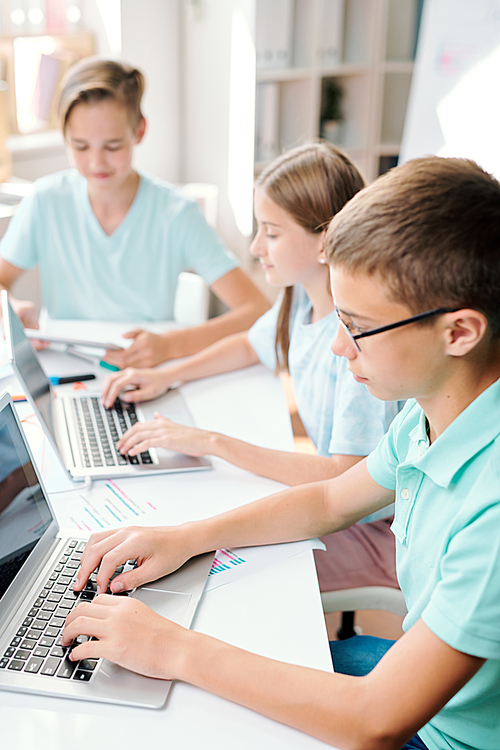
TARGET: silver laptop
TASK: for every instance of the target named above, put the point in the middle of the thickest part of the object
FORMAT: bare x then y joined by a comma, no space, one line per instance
81,431
38,565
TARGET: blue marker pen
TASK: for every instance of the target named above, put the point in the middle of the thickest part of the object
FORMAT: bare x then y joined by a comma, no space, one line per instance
71,379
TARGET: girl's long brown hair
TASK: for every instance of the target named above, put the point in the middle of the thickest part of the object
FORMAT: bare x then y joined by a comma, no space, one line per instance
311,183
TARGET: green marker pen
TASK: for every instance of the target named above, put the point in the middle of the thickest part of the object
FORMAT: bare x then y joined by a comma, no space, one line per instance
113,368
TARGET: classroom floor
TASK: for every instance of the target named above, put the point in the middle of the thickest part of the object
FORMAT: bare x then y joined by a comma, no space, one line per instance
369,622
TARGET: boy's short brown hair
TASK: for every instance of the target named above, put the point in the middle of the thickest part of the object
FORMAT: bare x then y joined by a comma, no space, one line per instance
93,80
430,229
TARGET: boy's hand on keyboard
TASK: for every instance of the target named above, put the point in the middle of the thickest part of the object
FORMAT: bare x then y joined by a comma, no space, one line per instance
129,634
148,384
157,551
163,433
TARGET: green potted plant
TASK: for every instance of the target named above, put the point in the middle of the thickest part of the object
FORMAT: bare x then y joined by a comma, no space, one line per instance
331,110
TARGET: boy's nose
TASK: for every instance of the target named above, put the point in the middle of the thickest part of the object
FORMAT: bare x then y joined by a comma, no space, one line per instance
97,159
342,345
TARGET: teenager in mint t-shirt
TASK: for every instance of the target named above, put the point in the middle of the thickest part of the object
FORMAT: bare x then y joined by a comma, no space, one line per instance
109,241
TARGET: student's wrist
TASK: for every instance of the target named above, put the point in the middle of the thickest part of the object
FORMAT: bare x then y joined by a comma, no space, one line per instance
194,652
217,445
174,344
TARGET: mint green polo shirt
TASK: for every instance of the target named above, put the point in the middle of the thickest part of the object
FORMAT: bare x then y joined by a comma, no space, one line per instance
128,275
447,529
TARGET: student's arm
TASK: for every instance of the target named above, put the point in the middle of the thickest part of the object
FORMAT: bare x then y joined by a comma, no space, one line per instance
412,682
234,289
24,308
282,466
231,353
380,711
297,513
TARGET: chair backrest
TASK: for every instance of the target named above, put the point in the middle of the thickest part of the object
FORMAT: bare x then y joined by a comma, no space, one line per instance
365,597
192,300
192,296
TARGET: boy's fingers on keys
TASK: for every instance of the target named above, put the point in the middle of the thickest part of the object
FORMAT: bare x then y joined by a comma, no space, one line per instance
85,620
92,649
90,554
98,547
88,618
132,579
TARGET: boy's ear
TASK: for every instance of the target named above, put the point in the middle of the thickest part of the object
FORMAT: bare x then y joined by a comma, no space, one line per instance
141,129
466,328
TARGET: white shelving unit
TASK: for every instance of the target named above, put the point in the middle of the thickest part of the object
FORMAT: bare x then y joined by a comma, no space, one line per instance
374,43
365,46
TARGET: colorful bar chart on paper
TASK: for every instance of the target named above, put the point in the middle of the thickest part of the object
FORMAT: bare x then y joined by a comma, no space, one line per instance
224,560
104,506
231,565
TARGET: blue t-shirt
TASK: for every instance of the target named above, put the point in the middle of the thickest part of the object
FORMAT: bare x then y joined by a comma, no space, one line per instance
338,413
446,525
128,275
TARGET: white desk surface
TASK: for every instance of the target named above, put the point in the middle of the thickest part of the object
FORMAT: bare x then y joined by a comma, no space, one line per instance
275,612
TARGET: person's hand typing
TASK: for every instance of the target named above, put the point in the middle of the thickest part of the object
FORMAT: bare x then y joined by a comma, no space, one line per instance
148,384
157,551
128,633
163,433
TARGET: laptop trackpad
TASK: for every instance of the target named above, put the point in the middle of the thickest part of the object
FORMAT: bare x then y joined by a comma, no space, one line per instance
168,604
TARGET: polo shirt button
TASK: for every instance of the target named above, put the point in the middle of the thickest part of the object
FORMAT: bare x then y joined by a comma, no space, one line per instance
405,494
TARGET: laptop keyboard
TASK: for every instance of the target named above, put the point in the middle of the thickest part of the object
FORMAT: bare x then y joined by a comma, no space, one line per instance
36,647
99,430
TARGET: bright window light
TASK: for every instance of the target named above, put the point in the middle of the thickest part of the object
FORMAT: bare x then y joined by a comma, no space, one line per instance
28,52
465,133
73,14
241,124
17,17
35,16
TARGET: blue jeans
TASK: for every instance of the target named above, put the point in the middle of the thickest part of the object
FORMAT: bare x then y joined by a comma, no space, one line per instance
357,656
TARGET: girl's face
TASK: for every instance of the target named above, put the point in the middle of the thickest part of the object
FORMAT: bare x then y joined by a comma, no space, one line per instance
288,253
101,142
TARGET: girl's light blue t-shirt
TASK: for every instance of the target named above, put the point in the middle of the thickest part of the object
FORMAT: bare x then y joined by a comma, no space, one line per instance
339,414
129,275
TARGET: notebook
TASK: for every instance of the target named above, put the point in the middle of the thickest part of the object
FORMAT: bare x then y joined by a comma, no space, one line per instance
83,433
38,565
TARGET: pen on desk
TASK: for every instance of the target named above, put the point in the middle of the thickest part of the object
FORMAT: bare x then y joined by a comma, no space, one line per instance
71,379
107,366
81,355
94,360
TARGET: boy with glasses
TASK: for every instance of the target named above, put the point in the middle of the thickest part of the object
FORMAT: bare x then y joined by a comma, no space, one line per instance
415,271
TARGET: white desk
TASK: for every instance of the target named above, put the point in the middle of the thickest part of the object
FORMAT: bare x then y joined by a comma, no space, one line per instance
274,612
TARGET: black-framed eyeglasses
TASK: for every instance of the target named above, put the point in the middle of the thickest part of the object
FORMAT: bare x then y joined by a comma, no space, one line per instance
398,324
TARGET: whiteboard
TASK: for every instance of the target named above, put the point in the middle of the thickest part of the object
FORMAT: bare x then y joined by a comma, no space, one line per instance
454,102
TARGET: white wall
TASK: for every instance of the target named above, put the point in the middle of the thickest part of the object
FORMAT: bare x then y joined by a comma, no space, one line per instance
150,41
206,107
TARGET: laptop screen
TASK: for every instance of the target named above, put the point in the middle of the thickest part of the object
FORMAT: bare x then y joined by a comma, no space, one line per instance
24,512
28,367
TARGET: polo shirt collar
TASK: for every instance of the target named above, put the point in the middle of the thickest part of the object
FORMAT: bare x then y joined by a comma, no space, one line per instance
473,429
